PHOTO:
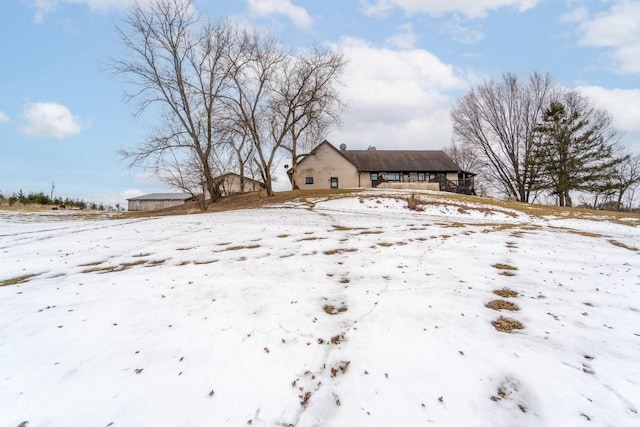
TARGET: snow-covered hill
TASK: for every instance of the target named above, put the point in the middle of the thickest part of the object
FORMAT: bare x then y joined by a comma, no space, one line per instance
345,312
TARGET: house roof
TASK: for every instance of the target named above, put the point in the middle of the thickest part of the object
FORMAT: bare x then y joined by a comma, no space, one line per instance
401,160
164,196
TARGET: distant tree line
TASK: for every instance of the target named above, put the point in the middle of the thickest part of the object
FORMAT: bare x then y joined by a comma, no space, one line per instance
531,139
231,97
41,198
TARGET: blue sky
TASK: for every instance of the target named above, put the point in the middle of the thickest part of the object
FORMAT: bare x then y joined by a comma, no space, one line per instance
63,119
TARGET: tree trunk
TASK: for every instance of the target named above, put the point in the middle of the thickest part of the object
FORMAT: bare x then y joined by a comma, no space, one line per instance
267,184
294,170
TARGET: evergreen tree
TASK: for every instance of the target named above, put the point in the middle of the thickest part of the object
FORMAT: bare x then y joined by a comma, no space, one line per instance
574,148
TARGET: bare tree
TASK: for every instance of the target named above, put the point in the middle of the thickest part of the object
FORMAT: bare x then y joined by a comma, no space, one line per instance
467,159
176,60
307,98
254,65
625,180
496,120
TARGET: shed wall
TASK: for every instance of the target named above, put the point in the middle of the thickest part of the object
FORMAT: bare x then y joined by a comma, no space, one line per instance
150,205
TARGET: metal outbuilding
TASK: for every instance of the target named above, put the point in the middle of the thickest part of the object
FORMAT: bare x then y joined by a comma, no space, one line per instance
154,201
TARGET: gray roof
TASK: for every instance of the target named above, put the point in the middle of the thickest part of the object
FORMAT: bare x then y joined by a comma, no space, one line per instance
163,196
401,160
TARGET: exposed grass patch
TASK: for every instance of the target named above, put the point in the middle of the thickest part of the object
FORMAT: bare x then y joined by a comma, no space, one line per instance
333,310
91,264
183,249
113,268
237,248
507,273
505,324
142,254
339,251
500,304
385,244
344,228
455,225
506,293
305,239
507,267
583,233
282,236
622,245
155,262
414,204
371,232
17,280
344,280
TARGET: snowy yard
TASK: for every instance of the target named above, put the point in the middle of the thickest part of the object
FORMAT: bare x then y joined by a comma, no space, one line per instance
346,312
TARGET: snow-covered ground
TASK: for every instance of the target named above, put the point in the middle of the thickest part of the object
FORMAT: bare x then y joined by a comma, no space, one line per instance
345,312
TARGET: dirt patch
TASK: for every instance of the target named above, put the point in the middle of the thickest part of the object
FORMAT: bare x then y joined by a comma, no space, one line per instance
506,293
17,280
505,324
500,304
385,244
339,251
340,369
508,267
337,339
333,310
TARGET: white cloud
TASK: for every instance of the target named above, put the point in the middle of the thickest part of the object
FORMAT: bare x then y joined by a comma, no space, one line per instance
50,120
619,30
297,14
460,32
622,104
4,118
405,38
396,99
624,107
469,8
577,14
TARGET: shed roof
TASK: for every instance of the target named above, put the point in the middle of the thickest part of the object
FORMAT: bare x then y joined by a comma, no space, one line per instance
164,196
401,160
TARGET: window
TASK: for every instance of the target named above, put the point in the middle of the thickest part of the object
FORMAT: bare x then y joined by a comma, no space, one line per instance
308,180
420,176
393,176
334,182
374,176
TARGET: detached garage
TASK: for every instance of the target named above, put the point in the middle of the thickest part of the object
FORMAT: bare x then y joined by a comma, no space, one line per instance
150,202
